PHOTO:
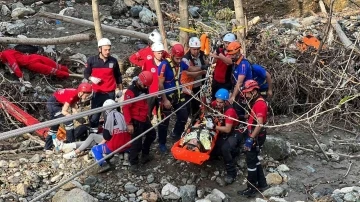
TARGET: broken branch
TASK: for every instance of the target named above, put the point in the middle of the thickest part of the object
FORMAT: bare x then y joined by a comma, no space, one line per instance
21,150
50,41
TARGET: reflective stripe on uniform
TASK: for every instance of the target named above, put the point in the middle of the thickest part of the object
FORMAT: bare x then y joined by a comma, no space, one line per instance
251,169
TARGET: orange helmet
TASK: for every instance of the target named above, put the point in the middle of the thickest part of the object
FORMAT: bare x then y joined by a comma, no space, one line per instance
250,85
146,78
85,88
233,48
177,50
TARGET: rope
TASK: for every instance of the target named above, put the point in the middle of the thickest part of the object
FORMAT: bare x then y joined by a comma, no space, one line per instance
107,156
16,132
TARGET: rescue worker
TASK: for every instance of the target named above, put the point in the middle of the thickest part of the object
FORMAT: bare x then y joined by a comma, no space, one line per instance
146,53
229,139
169,72
34,62
263,78
115,135
152,66
104,73
223,67
194,58
242,72
256,135
137,120
59,105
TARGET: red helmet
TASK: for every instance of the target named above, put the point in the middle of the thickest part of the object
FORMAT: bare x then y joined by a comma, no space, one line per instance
85,88
250,85
177,50
146,78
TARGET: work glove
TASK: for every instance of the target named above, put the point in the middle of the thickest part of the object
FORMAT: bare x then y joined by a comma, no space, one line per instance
210,124
119,94
205,67
248,143
27,84
94,80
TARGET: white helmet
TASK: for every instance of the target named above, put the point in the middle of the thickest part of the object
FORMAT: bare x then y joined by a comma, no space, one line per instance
157,46
194,42
229,37
155,36
104,42
108,102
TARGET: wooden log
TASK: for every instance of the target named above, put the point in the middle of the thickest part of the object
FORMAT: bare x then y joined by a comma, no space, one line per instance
105,28
97,24
161,23
49,41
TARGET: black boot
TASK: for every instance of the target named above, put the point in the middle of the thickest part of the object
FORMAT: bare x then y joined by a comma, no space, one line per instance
230,173
249,192
262,185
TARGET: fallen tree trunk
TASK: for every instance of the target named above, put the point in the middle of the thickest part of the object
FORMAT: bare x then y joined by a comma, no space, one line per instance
105,28
50,41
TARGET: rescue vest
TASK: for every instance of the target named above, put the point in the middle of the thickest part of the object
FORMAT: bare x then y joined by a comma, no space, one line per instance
176,72
190,58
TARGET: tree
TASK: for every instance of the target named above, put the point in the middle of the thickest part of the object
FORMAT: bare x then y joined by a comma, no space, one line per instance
184,22
95,11
161,23
240,21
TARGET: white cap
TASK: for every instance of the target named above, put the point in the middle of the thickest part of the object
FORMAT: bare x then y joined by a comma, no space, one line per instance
104,42
155,36
229,37
194,42
157,46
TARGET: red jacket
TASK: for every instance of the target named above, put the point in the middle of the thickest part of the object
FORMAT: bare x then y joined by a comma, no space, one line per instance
144,54
150,66
136,110
222,71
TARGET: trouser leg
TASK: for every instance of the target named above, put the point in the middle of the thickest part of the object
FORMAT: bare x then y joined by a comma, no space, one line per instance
227,149
149,138
54,109
97,101
163,126
195,104
136,145
181,119
90,141
81,132
252,163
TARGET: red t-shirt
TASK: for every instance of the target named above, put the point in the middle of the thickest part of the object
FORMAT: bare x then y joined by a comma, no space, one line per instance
230,114
259,109
150,66
69,95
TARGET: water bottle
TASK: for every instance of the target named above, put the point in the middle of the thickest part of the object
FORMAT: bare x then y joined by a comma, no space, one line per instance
55,141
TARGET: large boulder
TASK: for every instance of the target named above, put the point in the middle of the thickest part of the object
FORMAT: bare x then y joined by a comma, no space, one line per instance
21,12
169,191
118,9
75,195
276,148
147,16
188,193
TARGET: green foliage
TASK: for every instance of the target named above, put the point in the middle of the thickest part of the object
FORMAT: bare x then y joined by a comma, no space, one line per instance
210,5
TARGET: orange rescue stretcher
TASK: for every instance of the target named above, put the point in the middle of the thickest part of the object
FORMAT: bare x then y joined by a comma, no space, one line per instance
181,152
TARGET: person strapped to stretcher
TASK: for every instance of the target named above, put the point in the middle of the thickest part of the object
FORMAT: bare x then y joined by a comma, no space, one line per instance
199,138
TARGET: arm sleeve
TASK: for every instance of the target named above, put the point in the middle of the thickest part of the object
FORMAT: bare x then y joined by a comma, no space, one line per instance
117,73
162,69
9,59
230,113
261,109
126,108
184,66
106,135
88,69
